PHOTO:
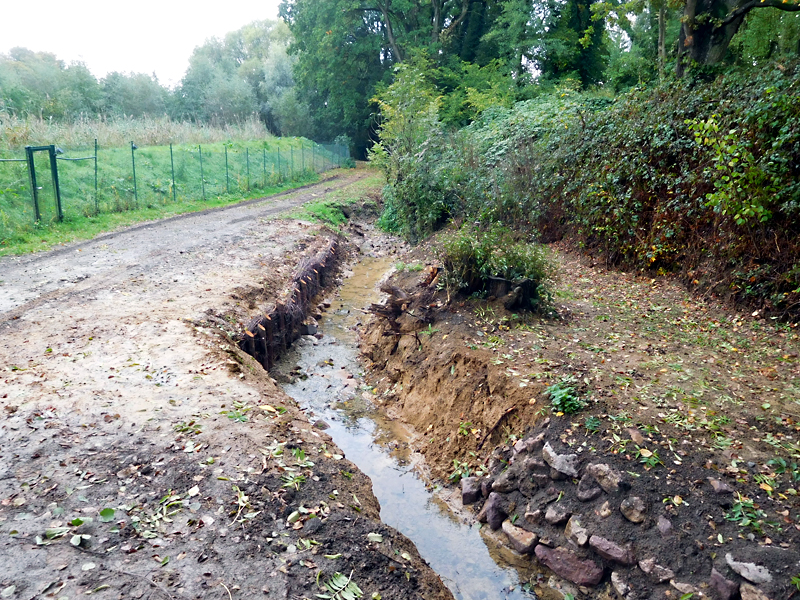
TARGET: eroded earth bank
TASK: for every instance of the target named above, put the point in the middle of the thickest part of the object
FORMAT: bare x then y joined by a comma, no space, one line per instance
640,441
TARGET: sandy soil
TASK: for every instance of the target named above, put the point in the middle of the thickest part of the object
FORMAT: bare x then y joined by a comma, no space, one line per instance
142,455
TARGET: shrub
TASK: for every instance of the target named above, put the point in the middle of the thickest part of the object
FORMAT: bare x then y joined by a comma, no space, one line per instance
700,178
472,256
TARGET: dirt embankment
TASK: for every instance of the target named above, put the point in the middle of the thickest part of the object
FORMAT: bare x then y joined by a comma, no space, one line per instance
692,407
143,455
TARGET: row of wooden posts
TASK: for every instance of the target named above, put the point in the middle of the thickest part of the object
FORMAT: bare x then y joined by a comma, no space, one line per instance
269,335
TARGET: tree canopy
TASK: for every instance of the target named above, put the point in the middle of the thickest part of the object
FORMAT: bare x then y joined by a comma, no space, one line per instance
482,50
315,71
246,73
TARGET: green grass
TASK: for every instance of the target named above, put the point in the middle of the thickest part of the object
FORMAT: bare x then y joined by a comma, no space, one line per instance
253,168
73,229
325,211
329,210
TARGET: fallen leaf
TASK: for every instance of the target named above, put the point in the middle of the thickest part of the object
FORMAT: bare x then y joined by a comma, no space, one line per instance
107,515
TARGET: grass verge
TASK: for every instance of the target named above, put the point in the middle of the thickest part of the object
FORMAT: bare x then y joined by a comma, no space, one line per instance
329,210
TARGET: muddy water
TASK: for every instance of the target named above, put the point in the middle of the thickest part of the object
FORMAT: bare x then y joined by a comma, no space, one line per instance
326,383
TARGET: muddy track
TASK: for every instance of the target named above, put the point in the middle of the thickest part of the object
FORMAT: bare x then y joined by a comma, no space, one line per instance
29,280
143,455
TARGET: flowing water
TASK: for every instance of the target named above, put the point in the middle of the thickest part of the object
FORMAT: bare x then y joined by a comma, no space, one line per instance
327,384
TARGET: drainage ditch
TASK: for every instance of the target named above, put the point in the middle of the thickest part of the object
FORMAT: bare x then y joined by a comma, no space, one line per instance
322,375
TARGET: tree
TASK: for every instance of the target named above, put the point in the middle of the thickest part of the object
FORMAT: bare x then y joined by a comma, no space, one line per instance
572,44
410,141
709,26
81,94
343,51
245,73
31,82
346,50
133,95
517,32
767,34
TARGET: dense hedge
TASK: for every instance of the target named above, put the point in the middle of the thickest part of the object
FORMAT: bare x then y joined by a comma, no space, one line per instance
694,177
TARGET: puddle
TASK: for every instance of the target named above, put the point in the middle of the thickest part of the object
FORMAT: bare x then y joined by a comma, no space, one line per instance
467,560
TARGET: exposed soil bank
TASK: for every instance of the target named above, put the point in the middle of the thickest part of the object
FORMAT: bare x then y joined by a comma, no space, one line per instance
323,374
142,455
695,408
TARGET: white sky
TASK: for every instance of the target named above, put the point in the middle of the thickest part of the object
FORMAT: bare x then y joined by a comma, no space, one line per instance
141,37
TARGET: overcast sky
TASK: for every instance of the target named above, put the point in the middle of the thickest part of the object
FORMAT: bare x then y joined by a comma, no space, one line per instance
142,37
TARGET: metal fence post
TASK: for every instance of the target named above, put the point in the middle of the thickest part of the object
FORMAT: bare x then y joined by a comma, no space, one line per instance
34,189
202,179
133,162
96,198
247,159
227,179
280,174
172,164
56,188
264,163
313,158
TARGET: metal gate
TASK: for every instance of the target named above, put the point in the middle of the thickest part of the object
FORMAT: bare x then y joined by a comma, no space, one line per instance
51,150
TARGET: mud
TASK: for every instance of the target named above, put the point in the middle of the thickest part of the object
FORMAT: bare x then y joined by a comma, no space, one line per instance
323,374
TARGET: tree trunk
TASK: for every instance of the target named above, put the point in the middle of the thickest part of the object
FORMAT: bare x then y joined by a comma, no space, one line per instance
457,21
708,26
390,32
436,21
662,26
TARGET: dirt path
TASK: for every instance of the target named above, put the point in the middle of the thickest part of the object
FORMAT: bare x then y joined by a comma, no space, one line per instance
142,456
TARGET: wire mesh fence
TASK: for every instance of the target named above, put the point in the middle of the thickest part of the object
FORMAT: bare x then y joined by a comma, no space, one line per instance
92,180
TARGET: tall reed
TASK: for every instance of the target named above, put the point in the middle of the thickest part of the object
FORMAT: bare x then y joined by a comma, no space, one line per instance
16,132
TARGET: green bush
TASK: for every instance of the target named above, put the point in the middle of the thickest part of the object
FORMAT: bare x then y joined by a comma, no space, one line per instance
472,256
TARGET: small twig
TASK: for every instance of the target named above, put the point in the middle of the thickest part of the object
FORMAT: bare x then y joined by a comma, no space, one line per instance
495,426
222,583
146,580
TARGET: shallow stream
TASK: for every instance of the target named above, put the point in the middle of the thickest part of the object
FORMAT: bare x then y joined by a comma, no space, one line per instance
328,386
